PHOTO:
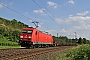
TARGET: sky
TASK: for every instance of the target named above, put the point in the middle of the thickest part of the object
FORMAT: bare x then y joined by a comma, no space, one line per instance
66,17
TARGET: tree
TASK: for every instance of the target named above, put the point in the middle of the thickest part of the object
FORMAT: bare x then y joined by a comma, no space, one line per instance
2,30
84,40
73,40
88,41
70,40
80,41
64,38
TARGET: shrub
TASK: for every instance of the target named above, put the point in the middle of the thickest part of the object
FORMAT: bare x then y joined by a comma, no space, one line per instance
80,53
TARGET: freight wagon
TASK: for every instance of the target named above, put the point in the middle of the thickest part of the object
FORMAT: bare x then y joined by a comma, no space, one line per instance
32,37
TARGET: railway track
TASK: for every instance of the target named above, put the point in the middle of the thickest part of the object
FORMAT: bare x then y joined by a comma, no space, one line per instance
19,54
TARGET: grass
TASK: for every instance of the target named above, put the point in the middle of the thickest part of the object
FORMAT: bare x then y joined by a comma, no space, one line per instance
6,47
81,52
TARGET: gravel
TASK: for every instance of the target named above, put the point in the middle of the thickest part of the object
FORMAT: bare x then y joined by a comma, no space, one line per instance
47,56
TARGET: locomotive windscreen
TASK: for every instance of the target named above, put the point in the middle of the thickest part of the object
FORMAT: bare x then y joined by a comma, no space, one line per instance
27,31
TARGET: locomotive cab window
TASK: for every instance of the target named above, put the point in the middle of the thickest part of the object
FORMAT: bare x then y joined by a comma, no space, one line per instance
27,31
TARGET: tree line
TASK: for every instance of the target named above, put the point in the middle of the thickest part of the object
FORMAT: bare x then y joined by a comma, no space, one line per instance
69,40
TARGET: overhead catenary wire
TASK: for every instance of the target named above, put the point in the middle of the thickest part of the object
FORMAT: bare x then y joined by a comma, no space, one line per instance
45,12
42,9
30,14
24,15
22,8
18,12
46,7
15,11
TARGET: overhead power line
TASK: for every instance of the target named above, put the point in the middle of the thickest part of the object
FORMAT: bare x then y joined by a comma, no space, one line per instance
15,11
45,12
18,12
30,14
46,7
28,17
22,8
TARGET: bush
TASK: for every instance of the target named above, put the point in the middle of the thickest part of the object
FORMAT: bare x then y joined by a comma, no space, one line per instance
80,53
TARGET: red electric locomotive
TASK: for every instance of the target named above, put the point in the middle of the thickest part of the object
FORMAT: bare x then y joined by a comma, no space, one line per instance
32,37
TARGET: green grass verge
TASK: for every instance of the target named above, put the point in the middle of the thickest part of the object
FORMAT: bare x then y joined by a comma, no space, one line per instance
81,52
6,47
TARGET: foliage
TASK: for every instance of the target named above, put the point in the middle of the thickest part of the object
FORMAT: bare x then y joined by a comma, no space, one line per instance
84,40
61,39
12,24
80,41
81,52
5,42
5,47
67,40
9,31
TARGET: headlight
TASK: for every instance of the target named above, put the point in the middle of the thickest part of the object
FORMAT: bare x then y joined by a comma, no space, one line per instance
21,36
29,37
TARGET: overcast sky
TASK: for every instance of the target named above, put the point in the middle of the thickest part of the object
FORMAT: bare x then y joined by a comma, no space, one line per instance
55,16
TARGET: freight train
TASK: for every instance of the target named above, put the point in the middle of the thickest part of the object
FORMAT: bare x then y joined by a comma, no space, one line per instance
32,37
